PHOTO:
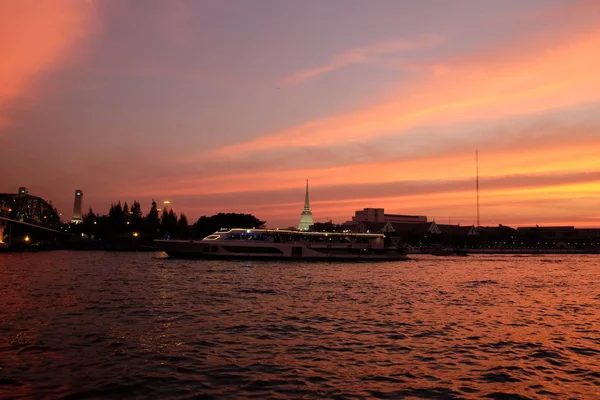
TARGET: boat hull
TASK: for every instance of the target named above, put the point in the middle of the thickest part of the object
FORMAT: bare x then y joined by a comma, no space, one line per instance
276,251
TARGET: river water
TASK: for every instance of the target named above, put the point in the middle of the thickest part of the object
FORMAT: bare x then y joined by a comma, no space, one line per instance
138,325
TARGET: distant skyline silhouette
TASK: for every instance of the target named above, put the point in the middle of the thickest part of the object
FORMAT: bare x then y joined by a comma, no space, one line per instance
227,106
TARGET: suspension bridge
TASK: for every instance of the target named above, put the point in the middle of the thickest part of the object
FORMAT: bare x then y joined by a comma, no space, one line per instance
24,217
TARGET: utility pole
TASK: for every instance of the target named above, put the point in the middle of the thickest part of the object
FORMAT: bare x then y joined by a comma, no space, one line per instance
477,181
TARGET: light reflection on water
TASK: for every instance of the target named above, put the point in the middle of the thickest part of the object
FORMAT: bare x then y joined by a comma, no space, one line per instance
96,324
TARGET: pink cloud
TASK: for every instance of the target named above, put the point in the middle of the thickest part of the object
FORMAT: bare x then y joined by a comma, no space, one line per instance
36,36
522,78
362,55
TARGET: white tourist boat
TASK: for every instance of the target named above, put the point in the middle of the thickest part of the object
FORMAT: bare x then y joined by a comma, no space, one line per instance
286,244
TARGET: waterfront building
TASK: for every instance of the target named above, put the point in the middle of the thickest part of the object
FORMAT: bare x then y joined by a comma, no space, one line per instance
392,227
557,237
77,207
376,220
500,235
306,218
378,215
415,233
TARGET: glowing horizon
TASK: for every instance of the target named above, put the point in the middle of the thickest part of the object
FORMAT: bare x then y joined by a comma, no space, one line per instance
229,107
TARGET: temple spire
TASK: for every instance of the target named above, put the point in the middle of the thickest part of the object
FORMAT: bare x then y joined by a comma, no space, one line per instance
306,202
306,218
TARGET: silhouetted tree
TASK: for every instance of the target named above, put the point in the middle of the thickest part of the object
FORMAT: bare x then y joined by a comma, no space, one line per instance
182,226
126,211
168,223
116,221
136,211
152,222
207,225
89,217
113,231
163,220
135,217
89,224
325,227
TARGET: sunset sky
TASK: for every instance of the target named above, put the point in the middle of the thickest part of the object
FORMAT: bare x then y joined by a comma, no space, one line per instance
228,106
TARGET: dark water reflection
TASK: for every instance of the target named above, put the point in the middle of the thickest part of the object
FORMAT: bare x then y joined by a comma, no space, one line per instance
106,325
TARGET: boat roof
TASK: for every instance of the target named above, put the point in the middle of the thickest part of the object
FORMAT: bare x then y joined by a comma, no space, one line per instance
303,233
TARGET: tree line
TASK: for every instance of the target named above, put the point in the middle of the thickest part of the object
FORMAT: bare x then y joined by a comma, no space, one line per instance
125,222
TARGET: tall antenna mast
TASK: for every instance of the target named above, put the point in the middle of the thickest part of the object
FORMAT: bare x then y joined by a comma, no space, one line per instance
477,180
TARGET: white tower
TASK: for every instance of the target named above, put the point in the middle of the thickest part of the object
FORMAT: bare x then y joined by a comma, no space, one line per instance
306,219
77,207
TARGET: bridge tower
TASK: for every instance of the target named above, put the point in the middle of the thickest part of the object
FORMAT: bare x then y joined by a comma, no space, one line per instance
306,218
77,207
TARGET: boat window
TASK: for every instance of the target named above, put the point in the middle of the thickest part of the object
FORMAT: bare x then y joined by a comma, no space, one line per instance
259,237
212,237
234,237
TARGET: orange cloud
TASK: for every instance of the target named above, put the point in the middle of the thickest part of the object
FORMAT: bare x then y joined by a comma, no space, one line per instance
532,156
362,55
563,203
525,206
35,36
519,81
533,181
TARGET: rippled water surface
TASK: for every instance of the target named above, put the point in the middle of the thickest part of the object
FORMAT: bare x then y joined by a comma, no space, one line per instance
108,325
